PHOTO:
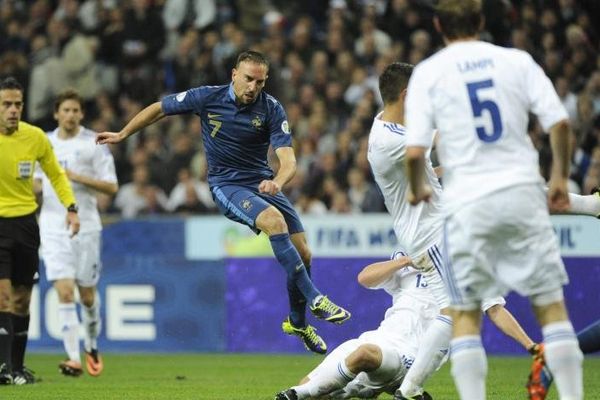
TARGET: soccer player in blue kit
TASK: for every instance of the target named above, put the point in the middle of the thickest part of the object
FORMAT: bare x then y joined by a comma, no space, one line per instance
239,122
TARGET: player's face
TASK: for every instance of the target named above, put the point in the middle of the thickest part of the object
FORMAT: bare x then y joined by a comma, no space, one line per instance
69,115
11,107
248,80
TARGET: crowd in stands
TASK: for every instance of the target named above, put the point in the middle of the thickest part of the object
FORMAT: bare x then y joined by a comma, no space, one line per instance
325,56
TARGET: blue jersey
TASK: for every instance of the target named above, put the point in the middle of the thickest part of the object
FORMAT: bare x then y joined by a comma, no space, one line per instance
236,137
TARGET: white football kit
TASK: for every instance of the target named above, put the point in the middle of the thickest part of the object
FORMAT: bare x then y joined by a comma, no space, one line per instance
498,231
412,310
78,257
419,229
398,336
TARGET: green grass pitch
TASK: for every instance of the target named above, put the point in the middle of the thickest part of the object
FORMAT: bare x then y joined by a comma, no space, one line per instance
240,377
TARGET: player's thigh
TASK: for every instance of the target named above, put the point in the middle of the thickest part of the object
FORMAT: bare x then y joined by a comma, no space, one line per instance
58,253
240,204
335,357
26,251
89,265
285,207
529,256
470,257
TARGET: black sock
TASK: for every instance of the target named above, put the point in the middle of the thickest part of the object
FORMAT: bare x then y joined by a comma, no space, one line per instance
21,328
6,338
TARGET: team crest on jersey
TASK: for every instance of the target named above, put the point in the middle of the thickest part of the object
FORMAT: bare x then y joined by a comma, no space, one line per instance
246,204
257,122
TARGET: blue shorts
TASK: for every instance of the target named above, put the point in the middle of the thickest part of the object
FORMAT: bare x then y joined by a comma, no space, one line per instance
243,204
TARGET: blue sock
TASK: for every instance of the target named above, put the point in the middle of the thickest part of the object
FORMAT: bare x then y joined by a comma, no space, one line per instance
290,260
297,302
589,338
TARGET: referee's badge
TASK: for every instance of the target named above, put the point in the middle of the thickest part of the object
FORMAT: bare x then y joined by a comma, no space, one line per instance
24,169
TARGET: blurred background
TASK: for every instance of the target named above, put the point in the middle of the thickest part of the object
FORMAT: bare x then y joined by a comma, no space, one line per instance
176,275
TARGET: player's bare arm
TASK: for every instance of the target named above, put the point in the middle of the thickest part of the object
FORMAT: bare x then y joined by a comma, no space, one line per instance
558,195
415,167
377,273
144,118
287,170
106,187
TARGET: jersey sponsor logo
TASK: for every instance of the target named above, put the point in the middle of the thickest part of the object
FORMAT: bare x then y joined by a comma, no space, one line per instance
246,204
285,127
24,169
181,96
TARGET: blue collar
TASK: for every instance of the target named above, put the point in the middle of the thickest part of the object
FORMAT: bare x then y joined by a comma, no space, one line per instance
231,92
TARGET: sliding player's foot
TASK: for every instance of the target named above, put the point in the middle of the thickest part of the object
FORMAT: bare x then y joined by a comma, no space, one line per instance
70,368
93,362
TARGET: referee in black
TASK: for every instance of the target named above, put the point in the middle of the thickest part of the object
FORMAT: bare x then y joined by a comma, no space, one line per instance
21,146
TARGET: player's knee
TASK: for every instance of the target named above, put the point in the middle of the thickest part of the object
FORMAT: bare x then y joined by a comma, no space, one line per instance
66,296
366,358
271,221
20,304
5,305
87,299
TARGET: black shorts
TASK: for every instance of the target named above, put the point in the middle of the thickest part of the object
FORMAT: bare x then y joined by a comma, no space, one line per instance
19,245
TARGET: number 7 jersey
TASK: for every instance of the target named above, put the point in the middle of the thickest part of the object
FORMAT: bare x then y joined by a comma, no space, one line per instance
479,97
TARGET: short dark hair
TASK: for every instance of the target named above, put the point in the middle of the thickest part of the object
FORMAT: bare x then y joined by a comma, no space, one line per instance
253,56
459,18
394,80
68,94
11,83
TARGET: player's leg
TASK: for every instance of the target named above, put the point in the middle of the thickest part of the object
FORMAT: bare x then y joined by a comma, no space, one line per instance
561,349
89,267
23,278
6,328
325,372
297,300
532,266
436,340
585,204
60,260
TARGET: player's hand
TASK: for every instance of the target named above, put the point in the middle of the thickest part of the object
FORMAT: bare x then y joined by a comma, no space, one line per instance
72,175
73,223
269,187
109,137
558,196
423,193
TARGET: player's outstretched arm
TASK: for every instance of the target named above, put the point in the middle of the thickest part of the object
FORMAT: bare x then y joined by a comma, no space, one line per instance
144,118
507,323
377,273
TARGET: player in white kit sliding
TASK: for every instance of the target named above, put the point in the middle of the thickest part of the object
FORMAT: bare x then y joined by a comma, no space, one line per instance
498,231
75,262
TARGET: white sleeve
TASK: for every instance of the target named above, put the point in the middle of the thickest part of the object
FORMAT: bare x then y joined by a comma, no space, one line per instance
38,173
104,164
419,111
543,100
489,303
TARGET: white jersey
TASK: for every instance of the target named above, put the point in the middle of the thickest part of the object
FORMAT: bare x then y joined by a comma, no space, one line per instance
83,156
418,227
478,96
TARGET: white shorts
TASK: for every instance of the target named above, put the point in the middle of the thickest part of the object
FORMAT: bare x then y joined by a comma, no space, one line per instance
500,243
75,258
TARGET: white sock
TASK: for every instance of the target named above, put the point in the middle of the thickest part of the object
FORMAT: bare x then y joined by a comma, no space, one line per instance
69,325
325,382
564,359
435,342
469,367
92,324
585,205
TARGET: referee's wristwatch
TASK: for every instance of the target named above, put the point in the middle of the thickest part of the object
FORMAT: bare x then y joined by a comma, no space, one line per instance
73,208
